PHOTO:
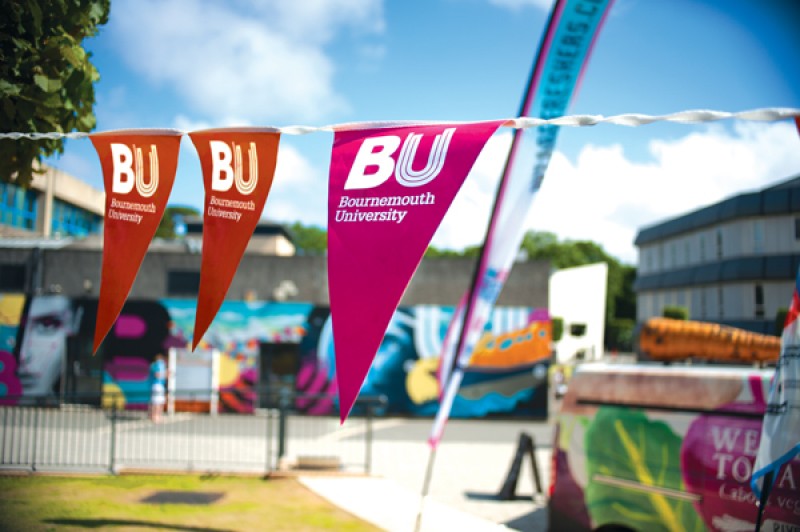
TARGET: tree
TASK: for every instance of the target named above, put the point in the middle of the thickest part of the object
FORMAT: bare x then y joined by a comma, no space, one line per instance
620,297
46,78
433,252
166,228
309,239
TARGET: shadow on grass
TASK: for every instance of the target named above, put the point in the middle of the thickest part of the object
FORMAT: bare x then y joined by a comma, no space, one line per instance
100,523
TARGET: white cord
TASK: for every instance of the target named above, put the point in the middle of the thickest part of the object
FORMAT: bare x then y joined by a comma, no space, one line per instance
630,119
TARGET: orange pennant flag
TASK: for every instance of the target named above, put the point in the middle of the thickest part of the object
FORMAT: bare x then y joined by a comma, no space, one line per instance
138,173
238,168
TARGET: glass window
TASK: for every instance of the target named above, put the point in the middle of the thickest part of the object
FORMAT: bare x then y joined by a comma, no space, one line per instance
17,206
70,220
12,278
759,301
758,236
183,283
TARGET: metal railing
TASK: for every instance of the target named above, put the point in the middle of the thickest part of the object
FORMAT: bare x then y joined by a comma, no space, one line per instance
89,433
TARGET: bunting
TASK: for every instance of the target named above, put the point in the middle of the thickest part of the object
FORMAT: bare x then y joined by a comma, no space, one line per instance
389,189
238,169
138,172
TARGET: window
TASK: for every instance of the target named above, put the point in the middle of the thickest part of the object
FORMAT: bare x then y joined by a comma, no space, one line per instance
759,301
719,243
17,207
183,283
758,236
702,248
797,228
703,303
12,278
74,221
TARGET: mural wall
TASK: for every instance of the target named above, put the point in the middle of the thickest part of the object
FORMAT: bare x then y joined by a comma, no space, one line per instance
45,345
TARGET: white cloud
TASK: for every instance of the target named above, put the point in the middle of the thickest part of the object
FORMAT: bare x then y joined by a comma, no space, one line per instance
605,197
266,61
299,190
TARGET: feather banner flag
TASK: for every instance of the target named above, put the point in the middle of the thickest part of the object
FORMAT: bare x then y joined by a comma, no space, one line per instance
138,173
238,168
389,189
560,62
780,432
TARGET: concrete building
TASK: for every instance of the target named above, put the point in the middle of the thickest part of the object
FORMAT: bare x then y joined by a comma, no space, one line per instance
55,205
43,252
578,296
733,262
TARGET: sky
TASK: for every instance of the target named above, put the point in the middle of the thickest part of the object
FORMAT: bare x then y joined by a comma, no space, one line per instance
195,64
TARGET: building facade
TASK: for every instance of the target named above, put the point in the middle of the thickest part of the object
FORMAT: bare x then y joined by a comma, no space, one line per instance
733,262
55,205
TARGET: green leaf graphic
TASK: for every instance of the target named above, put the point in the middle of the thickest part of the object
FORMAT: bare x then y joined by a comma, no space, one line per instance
626,455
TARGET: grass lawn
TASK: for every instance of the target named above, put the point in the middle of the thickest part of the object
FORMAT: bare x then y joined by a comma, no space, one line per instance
116,503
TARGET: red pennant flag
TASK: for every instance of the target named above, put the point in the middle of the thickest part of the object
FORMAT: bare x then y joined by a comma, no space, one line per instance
797,123
238,168
389,190
138,172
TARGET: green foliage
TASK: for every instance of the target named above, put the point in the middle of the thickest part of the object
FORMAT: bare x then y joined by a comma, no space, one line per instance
166,228
620,297
619,334
46,78
433,252
558,328
623,443
309,239
780,320
675,312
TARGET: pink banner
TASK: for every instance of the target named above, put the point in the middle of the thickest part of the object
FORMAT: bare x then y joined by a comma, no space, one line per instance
389,190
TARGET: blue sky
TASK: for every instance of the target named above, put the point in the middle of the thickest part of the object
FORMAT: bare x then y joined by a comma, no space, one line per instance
192,64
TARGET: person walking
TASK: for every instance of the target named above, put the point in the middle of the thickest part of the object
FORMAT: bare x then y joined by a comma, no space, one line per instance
158,386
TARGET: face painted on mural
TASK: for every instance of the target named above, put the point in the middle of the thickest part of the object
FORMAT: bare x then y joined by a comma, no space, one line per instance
44,345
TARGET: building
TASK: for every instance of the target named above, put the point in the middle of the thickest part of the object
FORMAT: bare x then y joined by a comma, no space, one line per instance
733,262
578,296
55,205
274,327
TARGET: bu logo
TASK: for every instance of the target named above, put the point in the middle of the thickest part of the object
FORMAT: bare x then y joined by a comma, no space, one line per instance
129,170
377,151
227,167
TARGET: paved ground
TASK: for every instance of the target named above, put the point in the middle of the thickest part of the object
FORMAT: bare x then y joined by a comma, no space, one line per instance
470,467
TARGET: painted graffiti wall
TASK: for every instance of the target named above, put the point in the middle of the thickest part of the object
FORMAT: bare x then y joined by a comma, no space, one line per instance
45,350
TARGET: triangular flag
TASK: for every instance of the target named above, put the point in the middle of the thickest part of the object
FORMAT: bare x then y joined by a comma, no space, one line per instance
238,167
138,173
389,189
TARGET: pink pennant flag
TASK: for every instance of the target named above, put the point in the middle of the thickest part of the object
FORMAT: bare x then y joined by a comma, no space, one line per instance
389,190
